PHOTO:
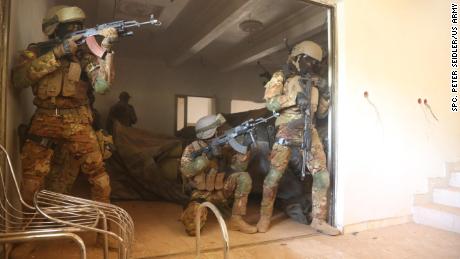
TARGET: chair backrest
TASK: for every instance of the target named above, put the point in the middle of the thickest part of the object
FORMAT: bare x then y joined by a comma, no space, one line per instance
11,213
223,228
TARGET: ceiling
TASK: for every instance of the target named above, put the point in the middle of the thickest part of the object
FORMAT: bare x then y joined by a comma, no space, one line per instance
211,32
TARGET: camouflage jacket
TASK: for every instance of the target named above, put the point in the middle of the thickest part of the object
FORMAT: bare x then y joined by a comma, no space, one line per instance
283,91
212,177
62,82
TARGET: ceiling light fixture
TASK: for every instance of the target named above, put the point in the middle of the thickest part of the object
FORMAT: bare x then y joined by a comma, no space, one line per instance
251,26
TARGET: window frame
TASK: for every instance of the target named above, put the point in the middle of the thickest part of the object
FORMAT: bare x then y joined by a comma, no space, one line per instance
186,96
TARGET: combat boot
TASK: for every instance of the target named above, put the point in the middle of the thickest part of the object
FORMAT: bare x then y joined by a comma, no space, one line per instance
238,211
323,227
264,223
266,209
237,223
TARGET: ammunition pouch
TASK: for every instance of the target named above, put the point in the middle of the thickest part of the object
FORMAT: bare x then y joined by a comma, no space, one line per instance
209,181
64,82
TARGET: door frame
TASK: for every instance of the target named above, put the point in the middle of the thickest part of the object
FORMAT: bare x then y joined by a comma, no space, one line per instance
331,6
4,51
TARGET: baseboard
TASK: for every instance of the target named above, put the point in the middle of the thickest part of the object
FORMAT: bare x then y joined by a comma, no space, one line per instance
374,224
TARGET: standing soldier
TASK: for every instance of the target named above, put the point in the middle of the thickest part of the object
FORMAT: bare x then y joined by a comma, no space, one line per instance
122,111
60,77
285,93
202,175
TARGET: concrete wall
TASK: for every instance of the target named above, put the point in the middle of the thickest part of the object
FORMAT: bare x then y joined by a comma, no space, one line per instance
153,86
25,27
388,144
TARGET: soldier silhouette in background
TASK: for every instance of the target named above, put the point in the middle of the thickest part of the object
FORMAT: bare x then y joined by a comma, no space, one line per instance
122,111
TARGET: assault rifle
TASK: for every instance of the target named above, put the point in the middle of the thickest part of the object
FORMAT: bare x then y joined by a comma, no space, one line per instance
88,35
229,136
306,83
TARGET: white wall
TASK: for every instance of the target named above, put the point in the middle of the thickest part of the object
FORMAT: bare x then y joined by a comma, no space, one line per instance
242,106
153,86
25,28
398,51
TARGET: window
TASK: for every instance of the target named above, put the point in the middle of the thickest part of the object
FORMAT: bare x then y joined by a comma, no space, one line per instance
189,109
242,106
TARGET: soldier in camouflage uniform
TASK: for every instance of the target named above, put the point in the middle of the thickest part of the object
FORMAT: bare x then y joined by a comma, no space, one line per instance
208,183
284,93
61,78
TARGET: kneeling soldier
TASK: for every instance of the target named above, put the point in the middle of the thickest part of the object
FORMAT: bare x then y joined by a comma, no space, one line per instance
209,184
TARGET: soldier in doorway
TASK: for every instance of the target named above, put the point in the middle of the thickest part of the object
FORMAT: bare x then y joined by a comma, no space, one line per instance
285,93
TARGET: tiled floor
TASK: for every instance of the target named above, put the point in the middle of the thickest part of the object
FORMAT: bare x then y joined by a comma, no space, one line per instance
159,234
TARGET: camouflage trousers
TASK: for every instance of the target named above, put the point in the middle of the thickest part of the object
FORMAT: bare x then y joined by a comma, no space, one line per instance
65,168
76,136
316,164
237,187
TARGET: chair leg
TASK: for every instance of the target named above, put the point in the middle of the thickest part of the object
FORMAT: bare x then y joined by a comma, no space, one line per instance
5,251
122,253
106,238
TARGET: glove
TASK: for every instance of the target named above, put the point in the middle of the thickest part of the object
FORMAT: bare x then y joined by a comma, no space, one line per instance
273,105
101,86
200,163
323,89
302,100
67,47
215,152
110,35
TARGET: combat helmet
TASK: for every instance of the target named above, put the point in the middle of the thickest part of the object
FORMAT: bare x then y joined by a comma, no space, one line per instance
61,14
308,48
206,127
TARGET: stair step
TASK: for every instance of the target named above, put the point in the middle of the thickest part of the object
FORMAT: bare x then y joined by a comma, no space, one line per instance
455,179
447,196
437,216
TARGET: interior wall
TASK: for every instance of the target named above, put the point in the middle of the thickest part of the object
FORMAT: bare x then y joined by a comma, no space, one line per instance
25,28
154,84
388,144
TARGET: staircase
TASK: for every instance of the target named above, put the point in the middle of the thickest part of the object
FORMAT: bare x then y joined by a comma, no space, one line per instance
440,207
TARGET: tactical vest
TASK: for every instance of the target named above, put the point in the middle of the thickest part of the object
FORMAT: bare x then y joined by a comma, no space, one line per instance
62,88
209,179
290,88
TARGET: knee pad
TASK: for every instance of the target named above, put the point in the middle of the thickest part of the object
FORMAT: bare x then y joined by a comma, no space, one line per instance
321,180
273,178
92,163
244,184
188,217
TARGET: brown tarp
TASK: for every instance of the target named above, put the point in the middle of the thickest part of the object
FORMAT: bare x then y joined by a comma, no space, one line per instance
136,166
